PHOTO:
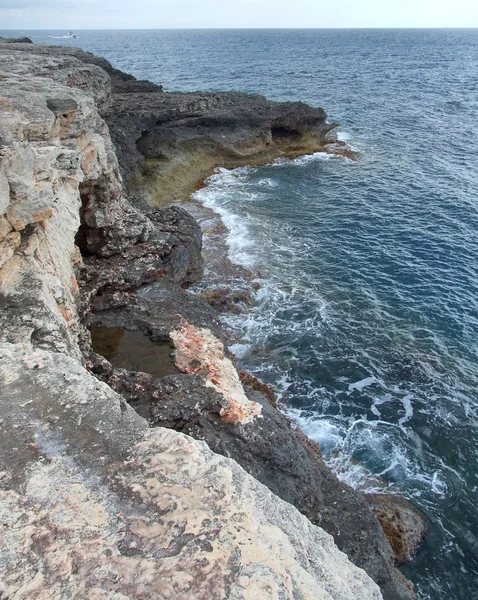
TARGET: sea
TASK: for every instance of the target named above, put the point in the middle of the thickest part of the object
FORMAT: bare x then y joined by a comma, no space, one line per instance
366,319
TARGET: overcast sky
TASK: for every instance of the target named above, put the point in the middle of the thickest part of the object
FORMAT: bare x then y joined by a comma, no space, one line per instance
159,14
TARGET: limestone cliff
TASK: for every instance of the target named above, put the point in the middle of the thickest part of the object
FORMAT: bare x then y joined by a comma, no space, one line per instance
95,502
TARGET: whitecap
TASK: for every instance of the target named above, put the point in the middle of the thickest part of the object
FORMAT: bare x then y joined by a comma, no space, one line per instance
309,158
343,136
238,238
363,383
406,401
240,350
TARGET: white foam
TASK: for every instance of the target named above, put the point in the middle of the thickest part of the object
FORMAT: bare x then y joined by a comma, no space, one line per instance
306,159
238,238
268,183
343,136
240,350
433,482
406,401
438,486
378,402
321,429
363,383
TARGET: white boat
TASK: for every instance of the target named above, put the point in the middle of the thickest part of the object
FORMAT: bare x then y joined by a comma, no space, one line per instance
71,35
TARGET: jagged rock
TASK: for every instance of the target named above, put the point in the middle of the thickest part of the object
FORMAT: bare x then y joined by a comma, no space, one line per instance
197,350
157,308
173,250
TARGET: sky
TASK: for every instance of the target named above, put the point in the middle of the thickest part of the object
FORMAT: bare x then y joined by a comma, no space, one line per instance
165,14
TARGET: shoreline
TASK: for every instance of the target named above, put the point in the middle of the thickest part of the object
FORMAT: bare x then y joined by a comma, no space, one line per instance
182,188
394,511
228,277
98,256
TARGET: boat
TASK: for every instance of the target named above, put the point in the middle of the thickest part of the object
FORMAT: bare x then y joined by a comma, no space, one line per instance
71,35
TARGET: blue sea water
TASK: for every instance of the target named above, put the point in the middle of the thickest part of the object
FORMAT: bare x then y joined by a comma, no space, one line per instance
367,318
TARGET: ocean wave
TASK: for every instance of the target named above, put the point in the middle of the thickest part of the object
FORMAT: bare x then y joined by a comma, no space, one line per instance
238,238
306,159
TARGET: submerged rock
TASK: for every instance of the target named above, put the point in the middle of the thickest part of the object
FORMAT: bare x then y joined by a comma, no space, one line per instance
228,300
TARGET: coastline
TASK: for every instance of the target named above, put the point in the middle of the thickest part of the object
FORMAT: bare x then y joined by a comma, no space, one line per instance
230,287
136,262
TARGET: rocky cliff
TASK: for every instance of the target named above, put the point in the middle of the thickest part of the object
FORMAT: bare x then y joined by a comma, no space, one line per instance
108,489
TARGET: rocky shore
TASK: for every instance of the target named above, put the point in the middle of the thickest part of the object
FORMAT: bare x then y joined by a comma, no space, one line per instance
119,483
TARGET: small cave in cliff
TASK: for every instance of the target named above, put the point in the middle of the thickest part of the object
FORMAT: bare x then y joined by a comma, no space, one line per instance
283,134
146,146
81,237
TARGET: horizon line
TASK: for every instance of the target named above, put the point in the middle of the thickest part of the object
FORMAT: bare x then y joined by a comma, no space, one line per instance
243,28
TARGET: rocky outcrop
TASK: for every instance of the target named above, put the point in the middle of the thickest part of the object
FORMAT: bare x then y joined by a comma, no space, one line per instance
168,143
403,524
20,40
60,183
128,510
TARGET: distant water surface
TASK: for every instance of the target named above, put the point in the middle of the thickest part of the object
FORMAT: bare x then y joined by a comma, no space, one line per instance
367,319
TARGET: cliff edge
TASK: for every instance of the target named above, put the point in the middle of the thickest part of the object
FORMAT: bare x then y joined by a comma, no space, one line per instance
108,489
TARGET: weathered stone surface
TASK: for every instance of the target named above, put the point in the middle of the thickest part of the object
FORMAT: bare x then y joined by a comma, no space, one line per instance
98,506
58,169
123,82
